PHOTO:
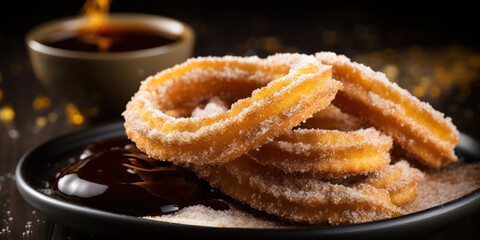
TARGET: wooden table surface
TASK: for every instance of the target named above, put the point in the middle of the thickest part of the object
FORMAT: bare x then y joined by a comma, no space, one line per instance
40,116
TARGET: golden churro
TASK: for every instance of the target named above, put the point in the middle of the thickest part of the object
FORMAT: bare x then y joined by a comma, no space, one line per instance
263,131
291,87
399,179
298,197
327,153
414,125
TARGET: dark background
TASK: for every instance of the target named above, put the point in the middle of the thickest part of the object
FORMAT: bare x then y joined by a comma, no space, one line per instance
360,29
397,23
447,33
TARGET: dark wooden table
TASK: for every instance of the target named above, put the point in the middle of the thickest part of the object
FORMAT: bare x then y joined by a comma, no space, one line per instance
40,116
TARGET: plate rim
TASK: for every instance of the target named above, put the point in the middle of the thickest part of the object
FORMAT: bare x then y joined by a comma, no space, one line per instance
425,220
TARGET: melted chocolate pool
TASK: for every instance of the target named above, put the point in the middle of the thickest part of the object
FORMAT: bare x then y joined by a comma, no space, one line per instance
115,176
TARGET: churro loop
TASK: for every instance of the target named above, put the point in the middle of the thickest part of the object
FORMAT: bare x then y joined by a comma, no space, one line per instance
323,153
399,179
420,130
287,89
327,153
318,148
230,121
298,197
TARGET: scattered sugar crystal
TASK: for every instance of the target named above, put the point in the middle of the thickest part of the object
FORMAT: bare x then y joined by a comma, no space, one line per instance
439,187
205,216
449,184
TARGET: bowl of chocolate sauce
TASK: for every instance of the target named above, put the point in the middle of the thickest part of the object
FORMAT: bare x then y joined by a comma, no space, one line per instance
98,182
77,60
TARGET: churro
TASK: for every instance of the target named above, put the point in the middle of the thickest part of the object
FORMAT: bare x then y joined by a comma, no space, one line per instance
298,197
415,126
278,93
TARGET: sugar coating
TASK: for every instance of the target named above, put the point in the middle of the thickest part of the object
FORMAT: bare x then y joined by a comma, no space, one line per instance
399,179
151,101
317,152
289,195
205,216
327,153
179,139
422,131
381,79
214,106
298,197
317,139
439,187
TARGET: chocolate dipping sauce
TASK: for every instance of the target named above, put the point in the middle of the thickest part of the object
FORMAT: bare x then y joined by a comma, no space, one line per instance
114,175
110,38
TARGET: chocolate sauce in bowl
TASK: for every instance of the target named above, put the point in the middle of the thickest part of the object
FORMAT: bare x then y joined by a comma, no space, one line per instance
115,176
110,38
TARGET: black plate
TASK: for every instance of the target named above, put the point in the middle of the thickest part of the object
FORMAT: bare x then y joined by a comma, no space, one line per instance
40,164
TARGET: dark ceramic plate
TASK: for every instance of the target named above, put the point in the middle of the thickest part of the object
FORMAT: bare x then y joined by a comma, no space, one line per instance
39,165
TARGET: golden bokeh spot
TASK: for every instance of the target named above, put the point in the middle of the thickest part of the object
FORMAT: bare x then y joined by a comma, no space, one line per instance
52,117
73,114
70,106
41,102
7,114
425,81
71,109
435,92
391,71
41,121
78,119
419,91
438,72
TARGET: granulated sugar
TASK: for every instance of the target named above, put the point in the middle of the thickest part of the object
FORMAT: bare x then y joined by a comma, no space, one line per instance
446,185
438,187
205,216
